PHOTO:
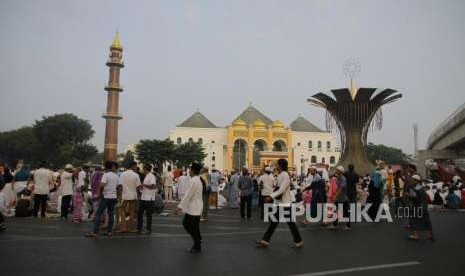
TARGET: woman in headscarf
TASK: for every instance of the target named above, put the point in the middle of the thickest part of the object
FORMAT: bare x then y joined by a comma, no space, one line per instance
374,193
419,215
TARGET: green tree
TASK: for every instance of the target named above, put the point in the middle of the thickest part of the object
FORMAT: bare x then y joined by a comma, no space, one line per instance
57,140
155,151
390,155
18,144
63,139
185,154
127,159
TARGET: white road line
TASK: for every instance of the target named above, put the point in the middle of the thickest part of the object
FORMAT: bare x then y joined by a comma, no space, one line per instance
360,268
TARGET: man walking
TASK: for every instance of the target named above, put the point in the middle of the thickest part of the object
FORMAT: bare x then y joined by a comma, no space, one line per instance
129,180
283,199
108,186
246,190
147,200
192,205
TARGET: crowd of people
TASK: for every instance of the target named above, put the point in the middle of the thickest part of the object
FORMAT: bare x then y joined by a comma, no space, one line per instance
119,199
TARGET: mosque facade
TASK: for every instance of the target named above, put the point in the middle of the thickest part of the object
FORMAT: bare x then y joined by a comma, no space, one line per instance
253,140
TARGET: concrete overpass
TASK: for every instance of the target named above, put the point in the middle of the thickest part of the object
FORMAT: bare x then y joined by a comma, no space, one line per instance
447,141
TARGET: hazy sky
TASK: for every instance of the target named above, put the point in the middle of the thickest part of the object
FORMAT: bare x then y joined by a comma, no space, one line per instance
219,55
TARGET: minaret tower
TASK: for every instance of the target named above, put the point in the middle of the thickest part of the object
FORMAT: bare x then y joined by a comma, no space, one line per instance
112,115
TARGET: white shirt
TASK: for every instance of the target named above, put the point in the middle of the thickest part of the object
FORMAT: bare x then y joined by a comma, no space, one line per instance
268,184
81,177
66,186
183,184
192,202
284,183
42,179
110,181
129,180
149,194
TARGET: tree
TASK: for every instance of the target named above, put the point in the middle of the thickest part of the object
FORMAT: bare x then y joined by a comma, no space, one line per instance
189,152
63,139
57,140
389,155
155,152
127,159
18,144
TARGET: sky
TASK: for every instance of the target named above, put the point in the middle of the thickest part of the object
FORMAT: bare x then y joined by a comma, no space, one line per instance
218,56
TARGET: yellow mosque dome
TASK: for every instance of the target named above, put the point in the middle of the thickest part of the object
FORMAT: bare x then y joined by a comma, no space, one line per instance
278,124
259,124
239,123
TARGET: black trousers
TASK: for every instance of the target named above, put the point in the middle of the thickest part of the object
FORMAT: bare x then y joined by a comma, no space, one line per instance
192,226
246,200
292,226
65,204
40,201
345,212
147,207
261,203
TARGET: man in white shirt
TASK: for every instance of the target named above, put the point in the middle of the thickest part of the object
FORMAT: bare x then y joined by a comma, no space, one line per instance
168,179
129,180
147,200
66,190
107,194
266,183
192,205
281,196
43,179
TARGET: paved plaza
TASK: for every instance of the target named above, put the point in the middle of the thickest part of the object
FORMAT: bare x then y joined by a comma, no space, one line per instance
54,247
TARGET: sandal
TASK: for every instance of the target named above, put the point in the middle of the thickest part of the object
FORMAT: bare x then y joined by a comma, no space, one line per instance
413,238
90,235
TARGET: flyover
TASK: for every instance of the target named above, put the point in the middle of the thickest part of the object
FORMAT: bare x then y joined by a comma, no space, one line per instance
447,141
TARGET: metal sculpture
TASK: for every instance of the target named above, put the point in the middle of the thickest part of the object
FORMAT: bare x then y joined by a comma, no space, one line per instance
355,113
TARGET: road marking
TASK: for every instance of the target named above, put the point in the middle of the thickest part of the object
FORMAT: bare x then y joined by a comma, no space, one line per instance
360,268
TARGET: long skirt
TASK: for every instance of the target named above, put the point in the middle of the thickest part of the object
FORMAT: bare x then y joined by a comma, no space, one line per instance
78,201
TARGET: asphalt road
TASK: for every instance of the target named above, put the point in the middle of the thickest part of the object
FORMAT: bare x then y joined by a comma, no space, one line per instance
53,247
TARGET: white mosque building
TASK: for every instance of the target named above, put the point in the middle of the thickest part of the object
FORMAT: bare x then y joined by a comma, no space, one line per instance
254,140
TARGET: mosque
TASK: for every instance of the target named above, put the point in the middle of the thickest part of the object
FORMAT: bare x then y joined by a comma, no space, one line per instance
254,140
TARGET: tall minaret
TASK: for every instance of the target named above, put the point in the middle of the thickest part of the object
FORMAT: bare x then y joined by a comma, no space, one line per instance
115,62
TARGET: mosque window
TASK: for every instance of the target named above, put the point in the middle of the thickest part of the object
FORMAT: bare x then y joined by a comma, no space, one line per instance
298,144
328,145
332,160
310,145
313,159
319,145
323,160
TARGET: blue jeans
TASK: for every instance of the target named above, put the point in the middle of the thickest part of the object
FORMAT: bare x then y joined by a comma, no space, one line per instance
109,205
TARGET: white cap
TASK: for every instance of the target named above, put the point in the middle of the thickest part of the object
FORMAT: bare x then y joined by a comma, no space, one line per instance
340,169
268,169
416,177
68,167
456,178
